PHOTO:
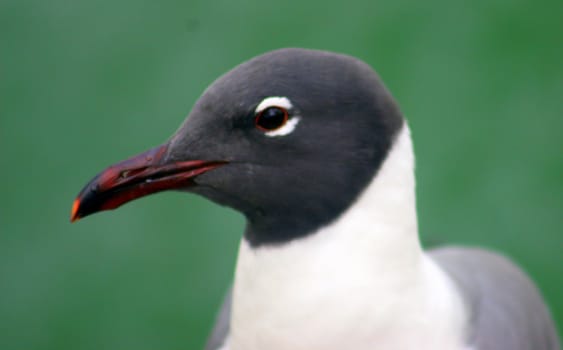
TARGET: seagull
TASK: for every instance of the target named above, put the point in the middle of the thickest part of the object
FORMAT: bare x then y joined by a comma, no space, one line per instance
313,150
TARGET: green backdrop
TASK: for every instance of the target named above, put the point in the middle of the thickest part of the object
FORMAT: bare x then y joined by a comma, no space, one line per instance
84,84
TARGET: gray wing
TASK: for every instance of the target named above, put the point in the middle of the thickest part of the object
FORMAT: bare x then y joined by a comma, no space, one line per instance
507,310
221,329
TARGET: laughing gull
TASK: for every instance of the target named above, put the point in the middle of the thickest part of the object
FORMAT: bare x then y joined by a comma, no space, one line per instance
312,149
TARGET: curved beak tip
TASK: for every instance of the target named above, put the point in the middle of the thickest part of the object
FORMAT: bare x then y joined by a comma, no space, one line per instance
74,212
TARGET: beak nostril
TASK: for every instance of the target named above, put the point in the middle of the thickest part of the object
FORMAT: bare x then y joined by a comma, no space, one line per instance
127,173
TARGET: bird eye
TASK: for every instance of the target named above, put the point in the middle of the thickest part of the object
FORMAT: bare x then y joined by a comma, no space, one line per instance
271,118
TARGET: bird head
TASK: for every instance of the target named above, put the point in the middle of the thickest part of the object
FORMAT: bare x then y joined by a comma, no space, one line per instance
289,138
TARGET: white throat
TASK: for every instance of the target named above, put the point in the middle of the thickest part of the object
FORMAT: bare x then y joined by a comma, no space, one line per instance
362,282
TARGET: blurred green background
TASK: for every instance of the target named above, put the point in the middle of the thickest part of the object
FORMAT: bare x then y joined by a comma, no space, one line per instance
84,84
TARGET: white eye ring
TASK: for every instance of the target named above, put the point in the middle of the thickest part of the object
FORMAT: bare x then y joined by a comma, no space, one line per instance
279,101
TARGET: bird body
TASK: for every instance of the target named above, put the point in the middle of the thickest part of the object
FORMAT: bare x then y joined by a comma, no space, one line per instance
312,149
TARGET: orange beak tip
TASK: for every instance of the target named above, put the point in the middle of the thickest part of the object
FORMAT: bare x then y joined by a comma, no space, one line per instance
74,213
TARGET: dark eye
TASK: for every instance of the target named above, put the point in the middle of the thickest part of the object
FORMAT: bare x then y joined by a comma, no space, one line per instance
271,118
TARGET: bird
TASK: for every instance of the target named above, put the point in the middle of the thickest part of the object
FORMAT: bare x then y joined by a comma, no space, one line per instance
313,150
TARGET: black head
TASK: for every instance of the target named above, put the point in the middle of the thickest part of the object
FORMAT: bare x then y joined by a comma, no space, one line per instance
293,137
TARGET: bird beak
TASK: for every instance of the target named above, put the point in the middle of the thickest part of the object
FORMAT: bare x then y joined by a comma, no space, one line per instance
139,176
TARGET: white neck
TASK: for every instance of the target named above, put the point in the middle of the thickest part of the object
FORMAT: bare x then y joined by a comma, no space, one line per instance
359,282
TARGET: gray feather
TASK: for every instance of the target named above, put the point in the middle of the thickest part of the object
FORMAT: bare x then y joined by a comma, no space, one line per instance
221,329
507,311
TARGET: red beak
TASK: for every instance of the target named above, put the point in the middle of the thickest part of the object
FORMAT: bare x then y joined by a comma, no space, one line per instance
137,177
